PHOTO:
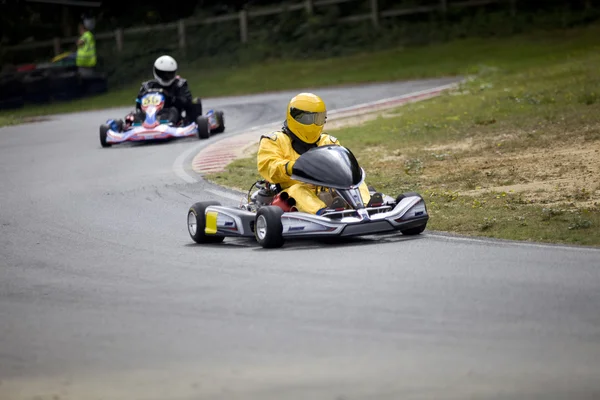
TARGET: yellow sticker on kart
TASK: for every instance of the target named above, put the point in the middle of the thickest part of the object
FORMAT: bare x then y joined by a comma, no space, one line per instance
152,100
211,223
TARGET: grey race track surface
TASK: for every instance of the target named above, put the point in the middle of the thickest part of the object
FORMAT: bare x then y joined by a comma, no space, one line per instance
104,296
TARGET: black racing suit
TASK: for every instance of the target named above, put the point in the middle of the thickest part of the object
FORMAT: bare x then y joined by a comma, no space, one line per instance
177,99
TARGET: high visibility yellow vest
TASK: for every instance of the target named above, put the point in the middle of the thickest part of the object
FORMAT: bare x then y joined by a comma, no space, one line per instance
86,54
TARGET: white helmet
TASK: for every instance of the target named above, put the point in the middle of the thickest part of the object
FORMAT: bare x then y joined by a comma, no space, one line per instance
89,24
165,70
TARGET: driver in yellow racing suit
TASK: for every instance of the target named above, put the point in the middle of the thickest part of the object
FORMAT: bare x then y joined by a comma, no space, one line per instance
278,151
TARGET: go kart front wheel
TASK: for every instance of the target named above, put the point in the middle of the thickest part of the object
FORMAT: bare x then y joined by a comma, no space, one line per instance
103,131
203,129
120,124
268,229
221,121
196,223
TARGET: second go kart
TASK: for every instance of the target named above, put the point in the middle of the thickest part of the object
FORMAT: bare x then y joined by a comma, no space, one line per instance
154,129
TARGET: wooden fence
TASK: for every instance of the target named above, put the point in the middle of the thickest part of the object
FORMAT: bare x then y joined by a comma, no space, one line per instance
375,15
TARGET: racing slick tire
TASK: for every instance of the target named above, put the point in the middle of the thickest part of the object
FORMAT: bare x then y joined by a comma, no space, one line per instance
413,231
65,86
196,108
103,131
203,129
11,92
418,229
120,124
221,121
197,223
268,229
37,89
407,194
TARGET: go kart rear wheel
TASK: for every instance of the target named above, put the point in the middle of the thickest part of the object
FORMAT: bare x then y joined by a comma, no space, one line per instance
196,223
407,194
196,108
268,229
220,121
413,231
103,131
203,129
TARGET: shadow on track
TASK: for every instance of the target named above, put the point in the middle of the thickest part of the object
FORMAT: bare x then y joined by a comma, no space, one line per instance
313,244
150,143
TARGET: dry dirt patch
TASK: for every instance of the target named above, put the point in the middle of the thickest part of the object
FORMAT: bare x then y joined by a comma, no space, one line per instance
565,173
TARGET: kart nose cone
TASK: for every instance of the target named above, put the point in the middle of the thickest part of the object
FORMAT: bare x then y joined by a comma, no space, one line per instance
332,166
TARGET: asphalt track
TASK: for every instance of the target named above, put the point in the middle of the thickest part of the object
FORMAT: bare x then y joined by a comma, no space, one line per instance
104,296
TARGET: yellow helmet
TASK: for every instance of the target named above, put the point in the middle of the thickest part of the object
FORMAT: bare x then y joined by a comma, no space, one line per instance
306,115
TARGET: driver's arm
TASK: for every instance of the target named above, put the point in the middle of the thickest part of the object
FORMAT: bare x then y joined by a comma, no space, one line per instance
271,160
141,92
327,139
183,95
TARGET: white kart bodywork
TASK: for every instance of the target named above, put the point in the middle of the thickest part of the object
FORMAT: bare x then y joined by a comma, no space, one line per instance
409,212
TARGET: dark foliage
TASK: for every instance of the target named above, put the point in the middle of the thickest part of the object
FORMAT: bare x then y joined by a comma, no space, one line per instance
291,35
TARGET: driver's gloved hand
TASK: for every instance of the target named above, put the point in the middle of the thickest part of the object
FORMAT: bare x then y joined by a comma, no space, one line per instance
181,102
170,101
289,167
130,119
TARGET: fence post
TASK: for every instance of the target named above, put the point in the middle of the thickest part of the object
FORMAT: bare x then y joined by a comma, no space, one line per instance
181,33
513,8
309,6
56,46
374,13
244,26
119,39
444,13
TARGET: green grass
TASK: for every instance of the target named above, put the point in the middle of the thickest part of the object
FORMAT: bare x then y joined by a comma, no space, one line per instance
510,217
514,153
459,57
240,174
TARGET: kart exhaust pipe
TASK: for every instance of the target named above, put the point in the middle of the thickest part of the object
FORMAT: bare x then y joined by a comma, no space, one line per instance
289,200
284,201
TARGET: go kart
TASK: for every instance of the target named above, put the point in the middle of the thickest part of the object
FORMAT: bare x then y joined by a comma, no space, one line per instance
152,128
270,216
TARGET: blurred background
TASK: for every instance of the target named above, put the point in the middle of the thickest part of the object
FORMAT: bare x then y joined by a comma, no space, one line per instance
130,35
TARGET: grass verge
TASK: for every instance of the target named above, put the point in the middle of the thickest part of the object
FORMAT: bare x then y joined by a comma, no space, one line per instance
513,154
459,57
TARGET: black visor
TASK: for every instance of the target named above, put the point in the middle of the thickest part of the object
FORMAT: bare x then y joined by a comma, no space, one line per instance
307,117
166,76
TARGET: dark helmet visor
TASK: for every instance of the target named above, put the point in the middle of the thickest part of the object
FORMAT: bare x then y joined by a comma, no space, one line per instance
165,75
307,117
